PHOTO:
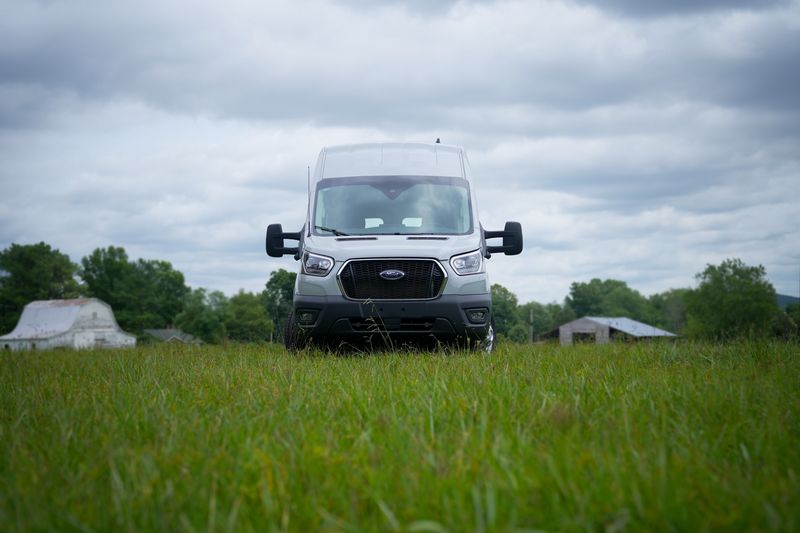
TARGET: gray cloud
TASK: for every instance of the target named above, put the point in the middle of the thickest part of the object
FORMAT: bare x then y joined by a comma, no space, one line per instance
392,66
641,140
660,8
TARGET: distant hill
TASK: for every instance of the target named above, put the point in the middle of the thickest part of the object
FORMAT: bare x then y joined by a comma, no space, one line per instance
785,299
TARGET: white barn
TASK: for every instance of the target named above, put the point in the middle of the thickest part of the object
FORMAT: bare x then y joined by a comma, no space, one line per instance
78,323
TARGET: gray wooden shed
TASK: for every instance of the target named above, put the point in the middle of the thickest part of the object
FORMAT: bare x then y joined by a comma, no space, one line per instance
77,323
603,330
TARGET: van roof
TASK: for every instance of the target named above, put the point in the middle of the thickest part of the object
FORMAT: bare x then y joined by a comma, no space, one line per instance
391,159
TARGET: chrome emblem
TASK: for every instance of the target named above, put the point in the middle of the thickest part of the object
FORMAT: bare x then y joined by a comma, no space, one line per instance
392,274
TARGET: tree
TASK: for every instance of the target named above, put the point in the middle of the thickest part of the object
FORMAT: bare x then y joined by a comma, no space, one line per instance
731,300
608,297
518,333
203,315
560,314
539,319
277,297
783,326
793,310
162,289
534,317
670,309
504,308
621,300
143,294
789,323
31,272
107,274
246,319
586,299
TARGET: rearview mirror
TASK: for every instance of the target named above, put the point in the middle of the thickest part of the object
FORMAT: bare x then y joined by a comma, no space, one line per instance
275,237
512,239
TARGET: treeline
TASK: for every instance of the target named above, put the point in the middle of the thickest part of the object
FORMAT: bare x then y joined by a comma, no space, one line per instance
144,294
731,300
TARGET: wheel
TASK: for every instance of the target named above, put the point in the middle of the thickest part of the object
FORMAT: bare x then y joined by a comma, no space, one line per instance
489,342
292,334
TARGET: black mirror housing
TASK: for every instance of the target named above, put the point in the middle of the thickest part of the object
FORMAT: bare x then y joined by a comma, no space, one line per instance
275,244
512,239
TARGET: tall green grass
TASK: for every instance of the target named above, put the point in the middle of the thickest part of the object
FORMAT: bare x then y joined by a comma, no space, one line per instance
628,436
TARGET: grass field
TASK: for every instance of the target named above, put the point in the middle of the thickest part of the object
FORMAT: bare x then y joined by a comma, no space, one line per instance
677,437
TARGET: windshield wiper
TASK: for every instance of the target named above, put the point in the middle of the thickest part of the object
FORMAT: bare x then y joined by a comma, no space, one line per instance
334,231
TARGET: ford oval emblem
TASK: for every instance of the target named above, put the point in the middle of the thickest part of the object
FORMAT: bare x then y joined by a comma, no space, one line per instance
392,274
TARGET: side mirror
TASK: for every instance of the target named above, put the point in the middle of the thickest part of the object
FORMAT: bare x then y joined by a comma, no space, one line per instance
275,237
512,239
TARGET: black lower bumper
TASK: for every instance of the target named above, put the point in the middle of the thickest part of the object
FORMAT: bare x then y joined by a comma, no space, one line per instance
335,320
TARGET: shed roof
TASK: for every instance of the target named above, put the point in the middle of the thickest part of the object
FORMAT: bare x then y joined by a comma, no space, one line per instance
43,319
172,334
631,327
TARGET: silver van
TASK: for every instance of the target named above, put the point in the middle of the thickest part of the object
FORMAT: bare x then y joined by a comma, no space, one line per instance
392,250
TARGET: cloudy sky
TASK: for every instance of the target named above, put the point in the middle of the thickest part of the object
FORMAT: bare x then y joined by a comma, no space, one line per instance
633,139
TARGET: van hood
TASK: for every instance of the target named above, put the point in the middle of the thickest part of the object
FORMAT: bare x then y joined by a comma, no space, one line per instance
441,247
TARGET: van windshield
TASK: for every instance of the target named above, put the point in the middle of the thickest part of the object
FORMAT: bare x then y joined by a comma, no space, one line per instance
392,205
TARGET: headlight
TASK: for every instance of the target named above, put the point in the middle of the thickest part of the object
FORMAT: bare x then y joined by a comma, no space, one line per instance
317,265
470,263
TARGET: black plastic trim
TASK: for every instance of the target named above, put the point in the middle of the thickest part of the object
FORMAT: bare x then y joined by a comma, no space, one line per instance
443,319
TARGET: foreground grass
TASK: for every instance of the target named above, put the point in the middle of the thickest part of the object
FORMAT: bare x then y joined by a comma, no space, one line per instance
648,436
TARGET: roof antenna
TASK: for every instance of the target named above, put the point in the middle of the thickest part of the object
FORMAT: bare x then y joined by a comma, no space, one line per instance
438,141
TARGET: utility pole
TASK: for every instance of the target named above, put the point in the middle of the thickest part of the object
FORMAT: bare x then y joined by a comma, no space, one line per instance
530,327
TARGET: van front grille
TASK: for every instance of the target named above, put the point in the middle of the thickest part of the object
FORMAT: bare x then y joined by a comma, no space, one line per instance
361,279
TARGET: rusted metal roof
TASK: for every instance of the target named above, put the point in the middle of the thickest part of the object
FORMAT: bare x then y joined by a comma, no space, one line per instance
631,327
173,335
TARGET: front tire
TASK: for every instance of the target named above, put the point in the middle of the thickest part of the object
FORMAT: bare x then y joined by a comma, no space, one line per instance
490,340
292,334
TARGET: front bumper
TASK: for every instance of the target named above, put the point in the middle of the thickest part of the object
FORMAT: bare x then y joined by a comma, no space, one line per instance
333,320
